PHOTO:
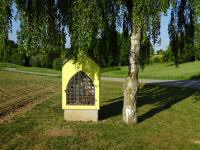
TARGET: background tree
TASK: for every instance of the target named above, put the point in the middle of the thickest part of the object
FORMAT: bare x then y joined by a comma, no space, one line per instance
124,45
181,29
146,52
197,42
41,31
5,24
43,27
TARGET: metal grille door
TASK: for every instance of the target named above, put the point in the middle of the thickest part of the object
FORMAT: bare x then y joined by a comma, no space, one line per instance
80,90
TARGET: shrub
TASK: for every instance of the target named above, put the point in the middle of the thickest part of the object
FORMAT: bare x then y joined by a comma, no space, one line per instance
111,69
57,64
156,59
35,61
45,61
17,58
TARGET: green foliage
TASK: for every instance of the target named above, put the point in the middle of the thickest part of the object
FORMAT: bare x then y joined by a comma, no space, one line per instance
93,31
42,30
85,23
196,7
197,42
156,59
124,49
5,24
110,69
13,54
35,61
167,55
144,16
46,62
181,29
43,27
57,64
109,48
17,58
146,51
92,28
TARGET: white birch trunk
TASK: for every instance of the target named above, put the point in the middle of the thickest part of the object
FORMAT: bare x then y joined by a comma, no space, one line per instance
131,84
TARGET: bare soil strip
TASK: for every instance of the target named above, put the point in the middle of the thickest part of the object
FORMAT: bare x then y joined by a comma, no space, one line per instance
26,102
22,92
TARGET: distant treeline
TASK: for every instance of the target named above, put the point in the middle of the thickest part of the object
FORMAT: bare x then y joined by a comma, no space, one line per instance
107,53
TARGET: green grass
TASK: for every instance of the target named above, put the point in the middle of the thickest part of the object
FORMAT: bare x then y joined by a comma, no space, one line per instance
168,120
30,69
185,71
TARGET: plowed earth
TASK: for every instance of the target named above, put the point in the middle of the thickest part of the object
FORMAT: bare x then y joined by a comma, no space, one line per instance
20,92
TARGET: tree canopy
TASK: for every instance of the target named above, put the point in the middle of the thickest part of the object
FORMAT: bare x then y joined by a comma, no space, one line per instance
5,24
92,25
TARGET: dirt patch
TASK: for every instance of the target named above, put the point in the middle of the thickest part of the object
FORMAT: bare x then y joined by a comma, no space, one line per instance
19,111
20,92
60,132
24,101
195,141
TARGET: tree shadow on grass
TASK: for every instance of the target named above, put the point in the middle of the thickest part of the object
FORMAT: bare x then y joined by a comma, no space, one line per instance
195,77
160,97
113,108
171,64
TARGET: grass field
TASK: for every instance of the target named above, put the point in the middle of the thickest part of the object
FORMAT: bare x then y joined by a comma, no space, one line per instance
31,69
185,71
168,118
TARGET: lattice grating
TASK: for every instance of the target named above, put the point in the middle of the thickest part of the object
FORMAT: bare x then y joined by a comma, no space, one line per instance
80,90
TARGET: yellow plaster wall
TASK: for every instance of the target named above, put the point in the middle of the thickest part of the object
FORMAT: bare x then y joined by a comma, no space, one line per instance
89,67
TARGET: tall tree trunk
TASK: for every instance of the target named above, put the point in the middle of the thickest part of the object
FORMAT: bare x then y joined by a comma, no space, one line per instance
131,84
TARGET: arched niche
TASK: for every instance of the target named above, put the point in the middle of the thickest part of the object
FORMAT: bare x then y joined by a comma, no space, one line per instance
80,90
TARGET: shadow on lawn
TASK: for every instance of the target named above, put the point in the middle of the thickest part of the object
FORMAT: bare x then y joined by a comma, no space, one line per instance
160,97
169,65
195,77
114,108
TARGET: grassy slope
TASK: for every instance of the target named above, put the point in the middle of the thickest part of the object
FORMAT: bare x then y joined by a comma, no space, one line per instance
185,71
168,119
31,69
162,71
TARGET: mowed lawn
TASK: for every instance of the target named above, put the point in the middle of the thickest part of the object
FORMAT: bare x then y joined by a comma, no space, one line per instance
186,71
168,118
165,71
4,66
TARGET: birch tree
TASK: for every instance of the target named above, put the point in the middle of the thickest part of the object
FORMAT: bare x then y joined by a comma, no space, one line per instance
144,19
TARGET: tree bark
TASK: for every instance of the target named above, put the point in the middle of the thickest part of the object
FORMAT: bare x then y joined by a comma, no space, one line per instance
131,84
